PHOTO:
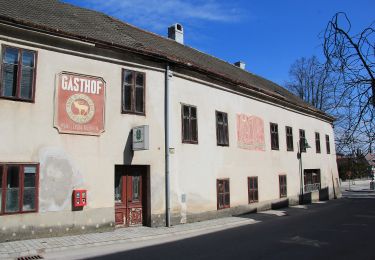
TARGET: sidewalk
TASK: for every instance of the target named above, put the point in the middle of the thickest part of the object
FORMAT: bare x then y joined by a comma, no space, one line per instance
35,247
356,186
358,189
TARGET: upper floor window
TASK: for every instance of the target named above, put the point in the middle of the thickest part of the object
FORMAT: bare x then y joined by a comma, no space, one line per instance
289,138
274,136
302,141
18,188
222,135
18,74
223,193
189,124
133,92
317,142
328,145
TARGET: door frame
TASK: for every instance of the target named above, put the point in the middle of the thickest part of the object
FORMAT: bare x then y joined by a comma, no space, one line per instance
146,189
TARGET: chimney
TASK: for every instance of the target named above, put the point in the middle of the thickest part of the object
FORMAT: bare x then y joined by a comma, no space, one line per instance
176,32
240,64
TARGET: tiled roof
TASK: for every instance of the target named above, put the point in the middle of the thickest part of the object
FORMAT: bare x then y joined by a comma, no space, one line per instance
70,21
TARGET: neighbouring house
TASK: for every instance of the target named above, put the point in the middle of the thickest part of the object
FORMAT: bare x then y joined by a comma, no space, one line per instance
371,162
104,124
353,166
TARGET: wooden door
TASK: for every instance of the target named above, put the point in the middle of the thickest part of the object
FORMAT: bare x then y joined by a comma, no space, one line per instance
129,202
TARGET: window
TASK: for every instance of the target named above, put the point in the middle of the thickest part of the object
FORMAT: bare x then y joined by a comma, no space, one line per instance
317,142
19,188
252,183
223,197
282,186
274,136
136,182
222,136
311,180
302,141
327,144
189,124
289,138
18,74
133,92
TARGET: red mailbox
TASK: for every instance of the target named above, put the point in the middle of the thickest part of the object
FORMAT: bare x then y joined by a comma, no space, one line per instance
79,198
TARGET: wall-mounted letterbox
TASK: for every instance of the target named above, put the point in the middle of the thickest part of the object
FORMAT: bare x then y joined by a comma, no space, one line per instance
79,198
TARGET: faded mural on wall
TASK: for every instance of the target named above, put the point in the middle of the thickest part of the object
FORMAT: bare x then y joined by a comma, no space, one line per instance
58,178
250,132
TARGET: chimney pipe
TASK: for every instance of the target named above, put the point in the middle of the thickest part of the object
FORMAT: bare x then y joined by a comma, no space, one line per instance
176,32
240,64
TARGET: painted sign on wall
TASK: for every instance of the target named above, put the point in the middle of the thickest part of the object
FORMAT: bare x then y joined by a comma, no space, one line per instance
79,104
250,132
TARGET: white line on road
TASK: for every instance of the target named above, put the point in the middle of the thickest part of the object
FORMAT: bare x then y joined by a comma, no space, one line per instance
279,213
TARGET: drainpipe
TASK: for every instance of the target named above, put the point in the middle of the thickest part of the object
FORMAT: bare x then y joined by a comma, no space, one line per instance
166,138
299,155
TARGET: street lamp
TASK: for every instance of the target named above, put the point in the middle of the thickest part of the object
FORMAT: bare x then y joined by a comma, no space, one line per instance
299,156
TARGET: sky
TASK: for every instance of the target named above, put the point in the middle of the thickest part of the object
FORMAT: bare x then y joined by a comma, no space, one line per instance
268,35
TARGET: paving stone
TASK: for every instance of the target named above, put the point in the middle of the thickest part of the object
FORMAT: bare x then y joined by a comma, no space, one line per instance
16,248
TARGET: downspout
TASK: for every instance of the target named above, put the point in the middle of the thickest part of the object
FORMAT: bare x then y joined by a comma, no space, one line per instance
166,138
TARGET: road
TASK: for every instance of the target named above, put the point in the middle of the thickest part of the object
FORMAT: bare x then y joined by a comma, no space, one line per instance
339,229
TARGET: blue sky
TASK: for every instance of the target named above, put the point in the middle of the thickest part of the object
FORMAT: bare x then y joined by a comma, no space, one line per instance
267,35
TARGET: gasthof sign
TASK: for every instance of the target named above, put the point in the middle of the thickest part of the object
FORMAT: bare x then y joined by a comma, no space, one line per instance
79,104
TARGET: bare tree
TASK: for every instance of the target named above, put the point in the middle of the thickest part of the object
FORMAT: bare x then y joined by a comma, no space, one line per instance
351,58
312,82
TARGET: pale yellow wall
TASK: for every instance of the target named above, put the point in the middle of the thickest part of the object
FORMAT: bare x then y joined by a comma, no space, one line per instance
195,168
28,135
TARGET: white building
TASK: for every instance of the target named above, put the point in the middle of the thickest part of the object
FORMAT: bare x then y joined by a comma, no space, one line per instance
74,83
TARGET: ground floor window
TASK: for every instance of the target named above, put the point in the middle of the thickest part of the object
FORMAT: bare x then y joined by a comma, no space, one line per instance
252,183
223,194
311,180
18,188
282,186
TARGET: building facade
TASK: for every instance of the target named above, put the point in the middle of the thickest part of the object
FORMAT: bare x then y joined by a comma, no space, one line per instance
79,90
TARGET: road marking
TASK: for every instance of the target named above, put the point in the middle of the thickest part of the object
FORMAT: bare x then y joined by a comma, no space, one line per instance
299,207
319,202
304,241
279,213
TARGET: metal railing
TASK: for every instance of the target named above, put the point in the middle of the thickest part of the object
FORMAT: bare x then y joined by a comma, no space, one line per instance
312,187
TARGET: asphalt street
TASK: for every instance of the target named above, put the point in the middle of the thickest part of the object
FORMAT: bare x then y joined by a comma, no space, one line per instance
339,229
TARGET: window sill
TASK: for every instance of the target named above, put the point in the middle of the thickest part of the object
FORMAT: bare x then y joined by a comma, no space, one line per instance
189,142
17,213
18,99
226,207
133,113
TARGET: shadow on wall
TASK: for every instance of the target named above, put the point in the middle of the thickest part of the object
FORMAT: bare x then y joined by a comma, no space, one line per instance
324,194
128,150
280,204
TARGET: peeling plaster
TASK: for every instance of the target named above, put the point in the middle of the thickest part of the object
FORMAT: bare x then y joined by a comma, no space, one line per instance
58,177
